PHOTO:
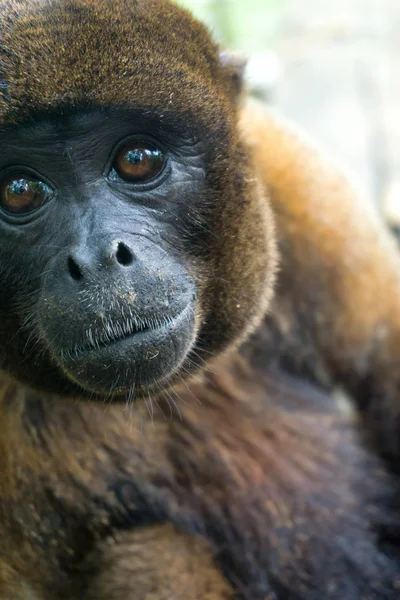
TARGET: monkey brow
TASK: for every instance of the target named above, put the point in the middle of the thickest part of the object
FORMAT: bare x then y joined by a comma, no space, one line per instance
75,120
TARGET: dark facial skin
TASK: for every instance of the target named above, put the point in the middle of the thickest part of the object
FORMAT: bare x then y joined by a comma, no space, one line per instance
111,289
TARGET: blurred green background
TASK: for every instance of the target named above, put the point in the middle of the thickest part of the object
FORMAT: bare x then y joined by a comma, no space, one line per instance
250,26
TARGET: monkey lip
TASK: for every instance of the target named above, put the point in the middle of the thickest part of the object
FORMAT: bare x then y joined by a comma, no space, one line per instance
124,332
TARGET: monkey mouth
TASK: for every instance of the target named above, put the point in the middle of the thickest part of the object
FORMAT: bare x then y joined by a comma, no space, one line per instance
112,333
140,353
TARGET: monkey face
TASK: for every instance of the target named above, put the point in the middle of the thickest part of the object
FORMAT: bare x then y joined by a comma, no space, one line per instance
128,218
99,216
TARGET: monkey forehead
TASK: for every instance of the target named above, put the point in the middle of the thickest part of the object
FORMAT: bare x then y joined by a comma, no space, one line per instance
105,52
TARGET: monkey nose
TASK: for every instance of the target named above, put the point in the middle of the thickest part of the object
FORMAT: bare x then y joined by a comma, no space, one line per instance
83,262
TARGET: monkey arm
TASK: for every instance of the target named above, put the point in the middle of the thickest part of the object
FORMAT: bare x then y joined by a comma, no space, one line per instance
158,562
340,269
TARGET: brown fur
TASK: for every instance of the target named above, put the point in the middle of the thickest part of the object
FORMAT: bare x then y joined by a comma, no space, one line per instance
242,481
228,466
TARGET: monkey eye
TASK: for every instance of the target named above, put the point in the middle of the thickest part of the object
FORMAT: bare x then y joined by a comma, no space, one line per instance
139,162
20,194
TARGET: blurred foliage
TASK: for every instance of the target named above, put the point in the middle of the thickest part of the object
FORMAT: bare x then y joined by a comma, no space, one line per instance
245,26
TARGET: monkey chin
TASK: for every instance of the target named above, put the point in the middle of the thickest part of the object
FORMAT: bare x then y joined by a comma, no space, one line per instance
135,364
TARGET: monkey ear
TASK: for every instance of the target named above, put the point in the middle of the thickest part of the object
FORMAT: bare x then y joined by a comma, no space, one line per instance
233,66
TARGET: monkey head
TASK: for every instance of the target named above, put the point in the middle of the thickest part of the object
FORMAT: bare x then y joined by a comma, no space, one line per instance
134,241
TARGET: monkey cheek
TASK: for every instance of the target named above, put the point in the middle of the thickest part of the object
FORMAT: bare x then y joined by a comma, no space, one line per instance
137,363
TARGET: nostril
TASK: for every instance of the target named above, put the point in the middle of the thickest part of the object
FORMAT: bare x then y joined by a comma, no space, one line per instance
74,270
124,255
